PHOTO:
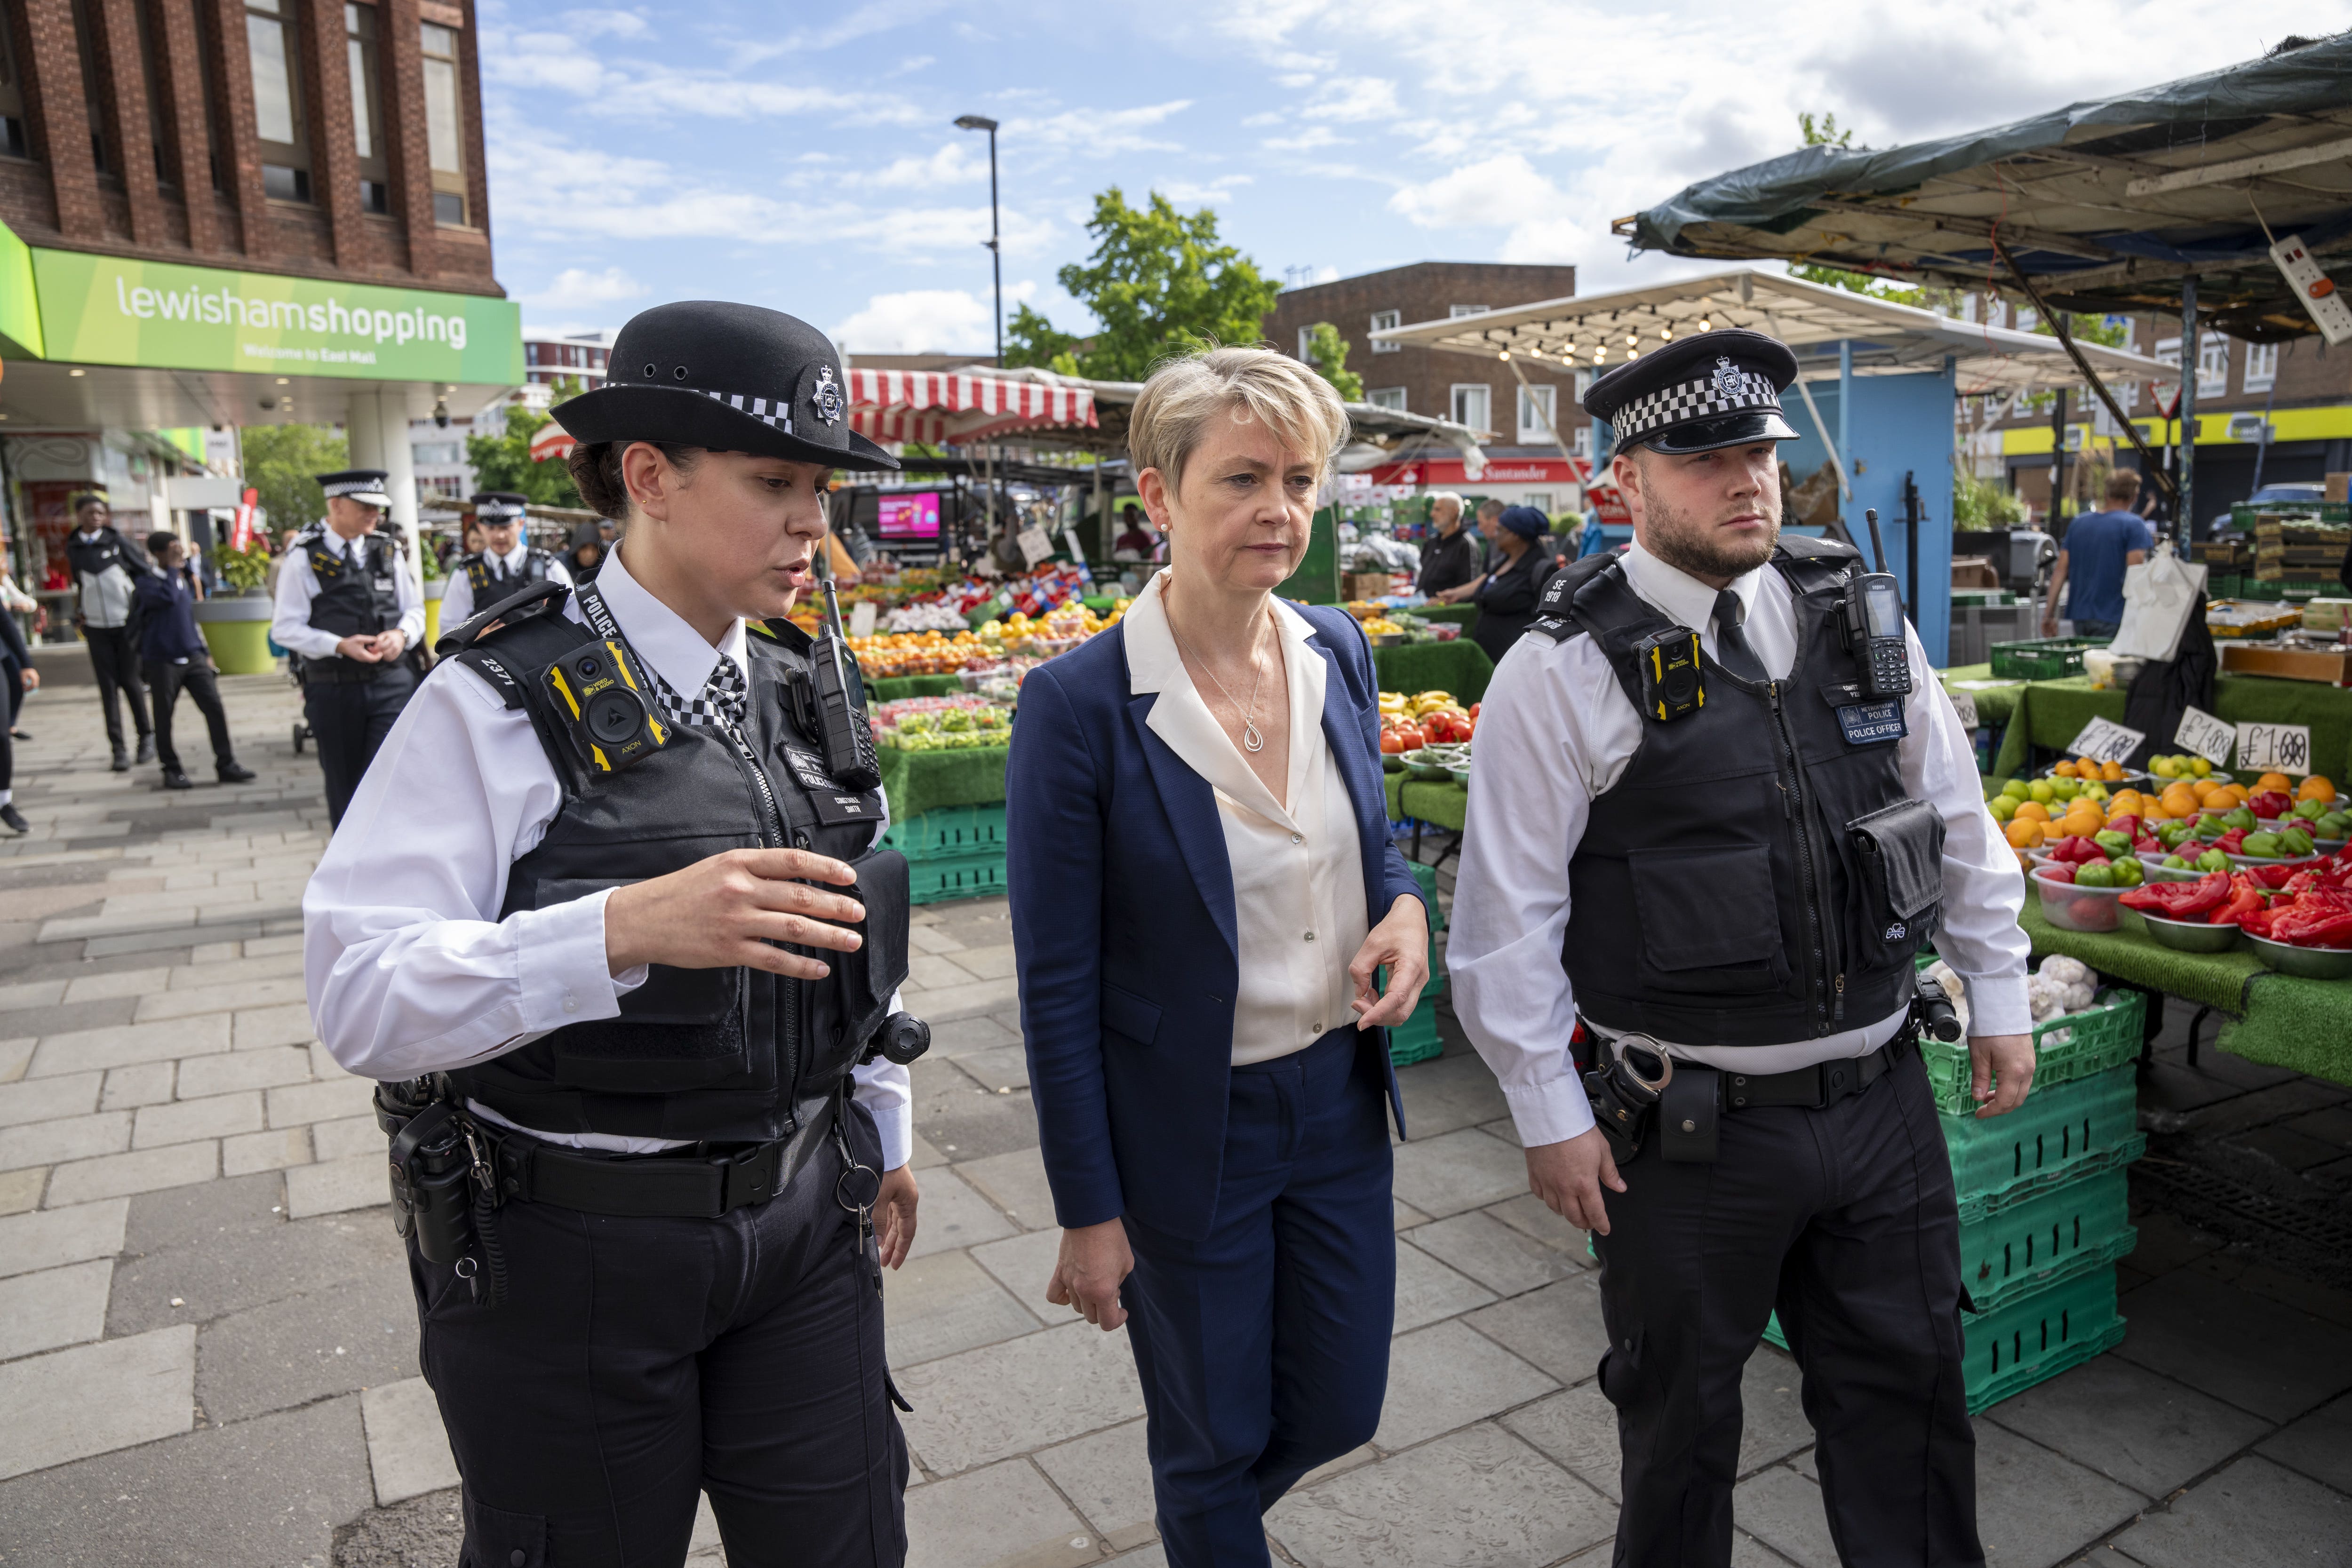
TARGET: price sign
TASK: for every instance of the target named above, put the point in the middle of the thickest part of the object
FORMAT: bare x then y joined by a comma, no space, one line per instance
1965,704
862,616
2275,747
1035,546
2206,736
2104,740
1070,543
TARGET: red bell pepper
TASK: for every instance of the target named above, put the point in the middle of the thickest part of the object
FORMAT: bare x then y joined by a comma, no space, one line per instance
2229,844
2257,922
2313,927
2271,803
2057,871
2203,896
2128,823
2244,899
2270,875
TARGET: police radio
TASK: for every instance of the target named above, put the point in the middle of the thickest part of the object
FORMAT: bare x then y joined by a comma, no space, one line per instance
829,704
1871,617
611,720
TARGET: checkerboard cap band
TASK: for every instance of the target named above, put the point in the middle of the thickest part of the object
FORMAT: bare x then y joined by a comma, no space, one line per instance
767,411
1704,398
354,488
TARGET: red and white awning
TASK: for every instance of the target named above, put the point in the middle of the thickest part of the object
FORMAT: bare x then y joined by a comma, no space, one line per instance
952,407
551,442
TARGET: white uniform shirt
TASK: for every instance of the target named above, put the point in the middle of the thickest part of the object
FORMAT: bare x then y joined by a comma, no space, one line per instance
457,604
1298,868
289,624
1555,731
408,966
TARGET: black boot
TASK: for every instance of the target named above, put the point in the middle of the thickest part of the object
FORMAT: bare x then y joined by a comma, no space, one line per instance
231,773
15,819
146,750
122,760
175,780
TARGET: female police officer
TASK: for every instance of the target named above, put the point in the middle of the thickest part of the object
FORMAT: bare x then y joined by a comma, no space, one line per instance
642,946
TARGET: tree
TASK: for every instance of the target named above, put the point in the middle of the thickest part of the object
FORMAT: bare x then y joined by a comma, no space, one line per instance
282,461
504,461
1160,284
1326,354
1824,131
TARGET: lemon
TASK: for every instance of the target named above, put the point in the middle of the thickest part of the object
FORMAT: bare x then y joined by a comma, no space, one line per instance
2199,767
2042,790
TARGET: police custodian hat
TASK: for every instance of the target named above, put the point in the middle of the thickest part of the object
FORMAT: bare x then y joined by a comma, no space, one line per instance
734,378
499,505
1698,393
365,485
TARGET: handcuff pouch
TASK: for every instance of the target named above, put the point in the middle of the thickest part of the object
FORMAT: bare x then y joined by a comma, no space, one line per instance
1687,1115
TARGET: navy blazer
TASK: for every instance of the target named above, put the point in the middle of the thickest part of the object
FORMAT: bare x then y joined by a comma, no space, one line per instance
1123,929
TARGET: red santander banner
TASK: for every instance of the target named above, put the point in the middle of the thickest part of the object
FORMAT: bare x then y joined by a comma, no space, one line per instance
1445,474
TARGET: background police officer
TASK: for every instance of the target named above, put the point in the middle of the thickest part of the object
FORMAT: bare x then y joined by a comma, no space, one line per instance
350,609
645,946
1744,881
506,563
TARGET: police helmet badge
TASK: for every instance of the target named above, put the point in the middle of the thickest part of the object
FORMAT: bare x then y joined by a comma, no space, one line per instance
825,397
1728,383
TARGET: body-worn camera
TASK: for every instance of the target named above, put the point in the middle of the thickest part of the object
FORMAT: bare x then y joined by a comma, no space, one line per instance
1673,683
829,706
610,719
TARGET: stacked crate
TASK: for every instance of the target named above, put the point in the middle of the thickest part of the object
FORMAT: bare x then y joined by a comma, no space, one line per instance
2299,553
952,851
1415,1040
2044,1209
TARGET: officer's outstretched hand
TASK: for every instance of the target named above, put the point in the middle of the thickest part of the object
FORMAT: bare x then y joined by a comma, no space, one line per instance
725,912
1569,1177
1095,1262
894,1215
2002,1068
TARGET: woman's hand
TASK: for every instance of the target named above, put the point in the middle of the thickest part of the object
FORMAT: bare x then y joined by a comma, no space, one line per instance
1094,1264
894,1214
1402,943
724,912
31,678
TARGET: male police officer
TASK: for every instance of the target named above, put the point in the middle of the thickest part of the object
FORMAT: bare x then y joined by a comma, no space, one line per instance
1704,818
506,564
349,609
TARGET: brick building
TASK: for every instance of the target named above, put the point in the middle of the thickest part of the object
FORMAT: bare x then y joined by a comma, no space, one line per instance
290,136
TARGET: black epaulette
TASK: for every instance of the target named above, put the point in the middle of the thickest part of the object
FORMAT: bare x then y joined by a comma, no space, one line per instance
1556,615
1809,562
543,598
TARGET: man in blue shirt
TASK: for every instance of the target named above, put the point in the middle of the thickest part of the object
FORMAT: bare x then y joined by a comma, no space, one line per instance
2097,547
174,658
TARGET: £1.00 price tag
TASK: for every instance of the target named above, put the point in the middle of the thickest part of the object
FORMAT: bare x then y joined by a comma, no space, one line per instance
1035,546
2104,740
2275,747
2206,736
1965,704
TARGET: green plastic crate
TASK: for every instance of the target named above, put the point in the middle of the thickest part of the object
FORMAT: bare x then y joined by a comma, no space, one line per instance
2040,659
1427,876
2063,1133
2052,1234
943,877
2029,1339
949,831
1415,1040
2105,1035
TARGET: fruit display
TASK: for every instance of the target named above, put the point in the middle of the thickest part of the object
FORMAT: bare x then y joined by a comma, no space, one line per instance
940,724
2085,770
1409,724
2309,905
2181,766
2036,812
945,652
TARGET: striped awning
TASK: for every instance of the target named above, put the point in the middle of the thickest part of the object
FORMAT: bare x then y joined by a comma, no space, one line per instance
946,408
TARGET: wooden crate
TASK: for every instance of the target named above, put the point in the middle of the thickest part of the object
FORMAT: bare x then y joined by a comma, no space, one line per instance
2325,666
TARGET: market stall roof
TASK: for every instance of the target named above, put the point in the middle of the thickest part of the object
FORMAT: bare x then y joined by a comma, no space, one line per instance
1593,331
2106,203
961,407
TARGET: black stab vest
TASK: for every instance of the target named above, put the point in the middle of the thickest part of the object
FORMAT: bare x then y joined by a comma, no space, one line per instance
488,585
1722,894
723,1055
352,603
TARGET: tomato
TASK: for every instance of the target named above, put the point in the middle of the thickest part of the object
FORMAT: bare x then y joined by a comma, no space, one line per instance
1392,741
1412,739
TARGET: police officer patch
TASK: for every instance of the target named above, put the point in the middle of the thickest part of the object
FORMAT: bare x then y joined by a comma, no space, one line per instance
824,395
1868,723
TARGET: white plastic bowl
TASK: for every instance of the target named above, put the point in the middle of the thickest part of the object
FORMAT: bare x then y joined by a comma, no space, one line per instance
2072,908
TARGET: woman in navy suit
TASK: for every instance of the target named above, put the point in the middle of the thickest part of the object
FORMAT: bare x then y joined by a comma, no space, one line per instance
1203,888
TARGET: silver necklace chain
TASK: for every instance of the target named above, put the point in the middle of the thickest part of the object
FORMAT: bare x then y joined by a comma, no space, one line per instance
1252,740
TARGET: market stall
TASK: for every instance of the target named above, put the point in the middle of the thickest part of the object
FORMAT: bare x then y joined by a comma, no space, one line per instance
2052,713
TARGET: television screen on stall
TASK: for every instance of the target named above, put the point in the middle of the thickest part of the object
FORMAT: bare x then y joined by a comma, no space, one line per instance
913,518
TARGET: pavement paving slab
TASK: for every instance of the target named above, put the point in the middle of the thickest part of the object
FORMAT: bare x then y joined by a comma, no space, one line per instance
1576,1428
1015,1183
1004,1515
62,1235
1445,1376
1558,1328
95,1398
1448,1094
2036,1506
408,1449
142,1170
1109,1476
1504,1260
2131,1425
335,1340
1428,1290
952,1214
1023,1265
259,1494
1783,1509
982,1405
1456,1171
338,1186
2254,1353
2320,1445
53,1309
1479,1496
240,1267
2253,1514
936,1305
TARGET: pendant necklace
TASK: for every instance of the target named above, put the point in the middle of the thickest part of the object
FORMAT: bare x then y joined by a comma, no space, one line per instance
1252,741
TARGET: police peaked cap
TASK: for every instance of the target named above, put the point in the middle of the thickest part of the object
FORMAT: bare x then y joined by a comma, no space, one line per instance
732,378
362,485
499,506
1698,393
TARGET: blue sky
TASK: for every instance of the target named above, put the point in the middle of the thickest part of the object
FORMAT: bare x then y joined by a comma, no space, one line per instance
805,158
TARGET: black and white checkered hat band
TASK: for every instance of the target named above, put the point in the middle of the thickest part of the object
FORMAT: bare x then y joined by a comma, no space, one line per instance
365,489
496,511
1708,397
767,411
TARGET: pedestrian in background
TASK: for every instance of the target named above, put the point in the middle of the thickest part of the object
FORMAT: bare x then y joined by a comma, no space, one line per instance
2099,547
587,553
1507,595
107,568
1449,561
173,658
17,678
17,660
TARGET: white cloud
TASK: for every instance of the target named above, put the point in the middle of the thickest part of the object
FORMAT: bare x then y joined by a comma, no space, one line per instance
952,164
1354,99
595,24
917,320
574,287
1201,193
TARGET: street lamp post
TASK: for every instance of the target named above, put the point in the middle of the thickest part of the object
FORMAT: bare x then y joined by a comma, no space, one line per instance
997,264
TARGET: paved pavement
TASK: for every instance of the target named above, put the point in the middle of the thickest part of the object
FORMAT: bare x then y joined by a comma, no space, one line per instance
207,1350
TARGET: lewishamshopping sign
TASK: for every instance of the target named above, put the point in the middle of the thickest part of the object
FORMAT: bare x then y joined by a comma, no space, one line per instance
107,311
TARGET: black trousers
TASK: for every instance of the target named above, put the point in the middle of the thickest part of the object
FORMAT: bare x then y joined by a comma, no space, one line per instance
348,721
115,662
637,1363
1845,1219
167,681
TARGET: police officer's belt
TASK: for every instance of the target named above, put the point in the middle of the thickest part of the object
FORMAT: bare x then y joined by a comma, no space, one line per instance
698,1182
334,670
1822,1084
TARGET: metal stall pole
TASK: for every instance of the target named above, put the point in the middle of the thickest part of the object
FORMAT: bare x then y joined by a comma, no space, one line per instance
2184,526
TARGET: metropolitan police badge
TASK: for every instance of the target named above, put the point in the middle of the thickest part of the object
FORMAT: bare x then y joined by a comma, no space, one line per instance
1728,383
826,399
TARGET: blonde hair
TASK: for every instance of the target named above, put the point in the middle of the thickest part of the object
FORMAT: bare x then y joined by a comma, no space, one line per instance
1174,410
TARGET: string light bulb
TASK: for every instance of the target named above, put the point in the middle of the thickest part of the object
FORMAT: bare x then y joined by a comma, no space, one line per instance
1632,340
1667,332
1506,356
1704,325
